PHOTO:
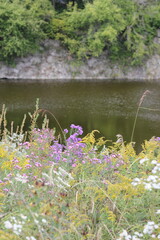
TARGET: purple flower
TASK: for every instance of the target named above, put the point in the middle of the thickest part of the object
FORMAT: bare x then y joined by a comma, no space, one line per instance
6,190
15,160
74,165
157,139
73,138
9,175
65,130
28,166
37,164
17,167
78,128
6,179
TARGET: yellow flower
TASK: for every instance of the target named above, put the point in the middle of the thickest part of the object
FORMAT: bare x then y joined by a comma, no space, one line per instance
8,236
3,152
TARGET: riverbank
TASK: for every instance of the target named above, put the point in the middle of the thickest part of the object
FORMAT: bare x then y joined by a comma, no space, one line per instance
54,62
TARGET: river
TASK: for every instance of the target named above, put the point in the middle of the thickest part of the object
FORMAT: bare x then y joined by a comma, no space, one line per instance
108,107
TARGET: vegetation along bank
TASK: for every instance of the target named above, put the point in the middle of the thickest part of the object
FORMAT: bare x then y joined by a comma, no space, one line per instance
80,39
65,186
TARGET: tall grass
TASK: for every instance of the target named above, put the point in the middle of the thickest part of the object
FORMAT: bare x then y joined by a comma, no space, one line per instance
137,112
79,189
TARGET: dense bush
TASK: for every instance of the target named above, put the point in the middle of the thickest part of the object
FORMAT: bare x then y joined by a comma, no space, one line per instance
123,28
22,26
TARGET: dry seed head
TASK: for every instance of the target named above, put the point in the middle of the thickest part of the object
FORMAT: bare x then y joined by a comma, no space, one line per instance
143,96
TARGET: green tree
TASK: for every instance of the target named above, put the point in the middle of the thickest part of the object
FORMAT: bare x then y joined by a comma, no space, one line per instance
124,28
23,25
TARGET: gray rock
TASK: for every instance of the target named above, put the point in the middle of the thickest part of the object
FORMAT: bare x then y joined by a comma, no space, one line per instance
56,63
158,33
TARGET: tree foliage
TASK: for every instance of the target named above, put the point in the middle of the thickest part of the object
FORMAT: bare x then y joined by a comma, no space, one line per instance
22,26
123,29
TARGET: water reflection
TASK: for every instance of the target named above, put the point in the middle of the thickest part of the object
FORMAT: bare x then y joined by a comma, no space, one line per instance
108,107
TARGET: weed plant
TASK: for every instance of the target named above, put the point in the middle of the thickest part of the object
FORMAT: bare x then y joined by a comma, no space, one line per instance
77,189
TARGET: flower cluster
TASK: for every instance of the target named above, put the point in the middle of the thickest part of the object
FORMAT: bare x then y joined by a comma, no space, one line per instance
76,187
16,225
152,181
125,236
73,151
151,229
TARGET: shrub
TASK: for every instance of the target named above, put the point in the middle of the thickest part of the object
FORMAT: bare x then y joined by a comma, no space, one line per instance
123,28
22,26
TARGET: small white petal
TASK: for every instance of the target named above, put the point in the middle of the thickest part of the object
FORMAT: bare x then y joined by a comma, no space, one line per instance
44,220
158,211
154,162
23,217
8,225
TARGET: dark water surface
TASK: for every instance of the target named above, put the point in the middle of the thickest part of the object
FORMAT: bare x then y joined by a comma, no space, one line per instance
108,107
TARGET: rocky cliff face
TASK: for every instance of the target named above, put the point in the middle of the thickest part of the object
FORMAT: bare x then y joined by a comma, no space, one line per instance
56,63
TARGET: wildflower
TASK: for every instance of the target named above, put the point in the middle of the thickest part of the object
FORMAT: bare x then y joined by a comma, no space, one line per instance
28,166
78,128
6,190
136,181
152,178
17,167
44,220
36,221
74,165
8,225
21,178
135,238
37,164
143,160
148,186
65,130
150,227
9,175
158,211
153,162
30,238
157,139
23,217
138,234
17,228
124,235
156,168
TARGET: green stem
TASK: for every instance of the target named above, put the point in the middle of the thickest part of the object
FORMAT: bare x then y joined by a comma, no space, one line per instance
134,125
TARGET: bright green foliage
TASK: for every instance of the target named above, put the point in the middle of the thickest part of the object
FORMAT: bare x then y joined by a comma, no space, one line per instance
96,26
22,26
123,28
